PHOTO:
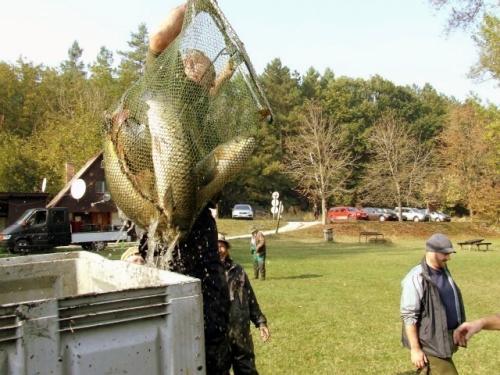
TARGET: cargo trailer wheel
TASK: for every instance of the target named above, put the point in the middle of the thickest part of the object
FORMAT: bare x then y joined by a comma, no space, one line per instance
21,246
98,246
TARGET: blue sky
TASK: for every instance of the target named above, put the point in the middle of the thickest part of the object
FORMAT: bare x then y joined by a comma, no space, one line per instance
401,40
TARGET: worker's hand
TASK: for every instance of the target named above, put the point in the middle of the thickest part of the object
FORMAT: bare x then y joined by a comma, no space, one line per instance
463,333
264,333
228,70
418,358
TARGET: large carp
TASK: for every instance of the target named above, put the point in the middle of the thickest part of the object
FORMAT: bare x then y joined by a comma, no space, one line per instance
220,166
129,199
173,163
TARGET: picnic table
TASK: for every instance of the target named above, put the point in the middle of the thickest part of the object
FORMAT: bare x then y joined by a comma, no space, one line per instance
377,236
477,243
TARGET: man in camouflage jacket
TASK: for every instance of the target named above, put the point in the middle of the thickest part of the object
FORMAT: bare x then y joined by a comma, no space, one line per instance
244,309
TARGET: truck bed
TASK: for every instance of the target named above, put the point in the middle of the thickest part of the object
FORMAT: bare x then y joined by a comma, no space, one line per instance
80,237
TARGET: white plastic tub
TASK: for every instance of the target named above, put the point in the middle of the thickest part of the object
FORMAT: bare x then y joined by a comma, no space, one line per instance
79,313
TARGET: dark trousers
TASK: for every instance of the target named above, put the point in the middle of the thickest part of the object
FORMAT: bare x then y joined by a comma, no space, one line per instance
259,266
242,353
198,256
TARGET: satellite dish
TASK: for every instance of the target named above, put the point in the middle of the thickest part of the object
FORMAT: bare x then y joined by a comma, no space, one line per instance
78,188
44,184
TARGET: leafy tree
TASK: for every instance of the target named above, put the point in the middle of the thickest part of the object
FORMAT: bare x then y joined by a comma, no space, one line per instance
480,16
399,163
71,133
18,169
464,13
22,106
317,159
488,42
10,97
470,160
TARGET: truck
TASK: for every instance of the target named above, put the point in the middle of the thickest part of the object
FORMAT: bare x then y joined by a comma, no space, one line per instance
45,228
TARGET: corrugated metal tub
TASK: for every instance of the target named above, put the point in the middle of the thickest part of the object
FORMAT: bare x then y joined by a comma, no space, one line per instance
79,313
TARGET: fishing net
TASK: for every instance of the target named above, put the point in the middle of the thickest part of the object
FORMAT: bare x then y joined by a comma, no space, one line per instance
186,128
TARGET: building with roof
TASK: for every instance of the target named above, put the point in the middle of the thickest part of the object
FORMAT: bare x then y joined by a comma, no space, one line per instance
92,211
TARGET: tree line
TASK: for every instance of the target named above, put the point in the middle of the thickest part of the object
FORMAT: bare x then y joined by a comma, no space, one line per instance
335,140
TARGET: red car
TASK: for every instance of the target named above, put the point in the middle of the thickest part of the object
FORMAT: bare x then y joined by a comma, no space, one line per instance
346,213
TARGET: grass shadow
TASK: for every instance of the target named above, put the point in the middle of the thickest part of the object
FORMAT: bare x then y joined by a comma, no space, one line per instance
305,276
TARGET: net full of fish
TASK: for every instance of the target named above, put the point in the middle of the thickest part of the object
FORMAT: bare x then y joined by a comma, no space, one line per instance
185,129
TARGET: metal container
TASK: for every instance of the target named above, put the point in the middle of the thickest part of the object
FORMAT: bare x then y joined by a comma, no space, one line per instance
79,313
328,234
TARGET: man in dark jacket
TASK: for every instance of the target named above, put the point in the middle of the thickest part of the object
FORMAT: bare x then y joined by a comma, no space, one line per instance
431,308
243,310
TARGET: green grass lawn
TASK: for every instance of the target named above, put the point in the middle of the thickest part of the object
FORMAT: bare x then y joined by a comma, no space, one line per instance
231,227
333,308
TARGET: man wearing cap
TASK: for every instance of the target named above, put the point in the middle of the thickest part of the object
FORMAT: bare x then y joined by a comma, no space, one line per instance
431,308
244,309
258,250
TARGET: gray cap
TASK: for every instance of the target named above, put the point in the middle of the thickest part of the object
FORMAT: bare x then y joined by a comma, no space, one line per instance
222,239
439,243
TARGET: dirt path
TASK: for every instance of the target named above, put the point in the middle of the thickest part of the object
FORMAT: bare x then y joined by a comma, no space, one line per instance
290,226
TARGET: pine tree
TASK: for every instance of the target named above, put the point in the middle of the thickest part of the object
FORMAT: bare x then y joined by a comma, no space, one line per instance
133,60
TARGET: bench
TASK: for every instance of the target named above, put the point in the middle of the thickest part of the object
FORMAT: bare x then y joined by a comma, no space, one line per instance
375,235
471,243
479,244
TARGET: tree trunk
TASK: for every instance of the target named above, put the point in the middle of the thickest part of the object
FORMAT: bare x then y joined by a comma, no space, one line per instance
324,211
400,211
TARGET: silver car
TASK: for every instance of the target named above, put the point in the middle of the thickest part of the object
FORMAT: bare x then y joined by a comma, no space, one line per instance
242,211
439,216
412,214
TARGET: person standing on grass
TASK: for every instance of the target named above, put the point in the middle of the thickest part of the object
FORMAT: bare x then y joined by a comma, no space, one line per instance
431,308
466,330
258,250
244,309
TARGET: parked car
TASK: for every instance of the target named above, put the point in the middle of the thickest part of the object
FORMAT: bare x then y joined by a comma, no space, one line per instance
380,214
390,214
425,211
242,211
412,214
439,216
346,213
